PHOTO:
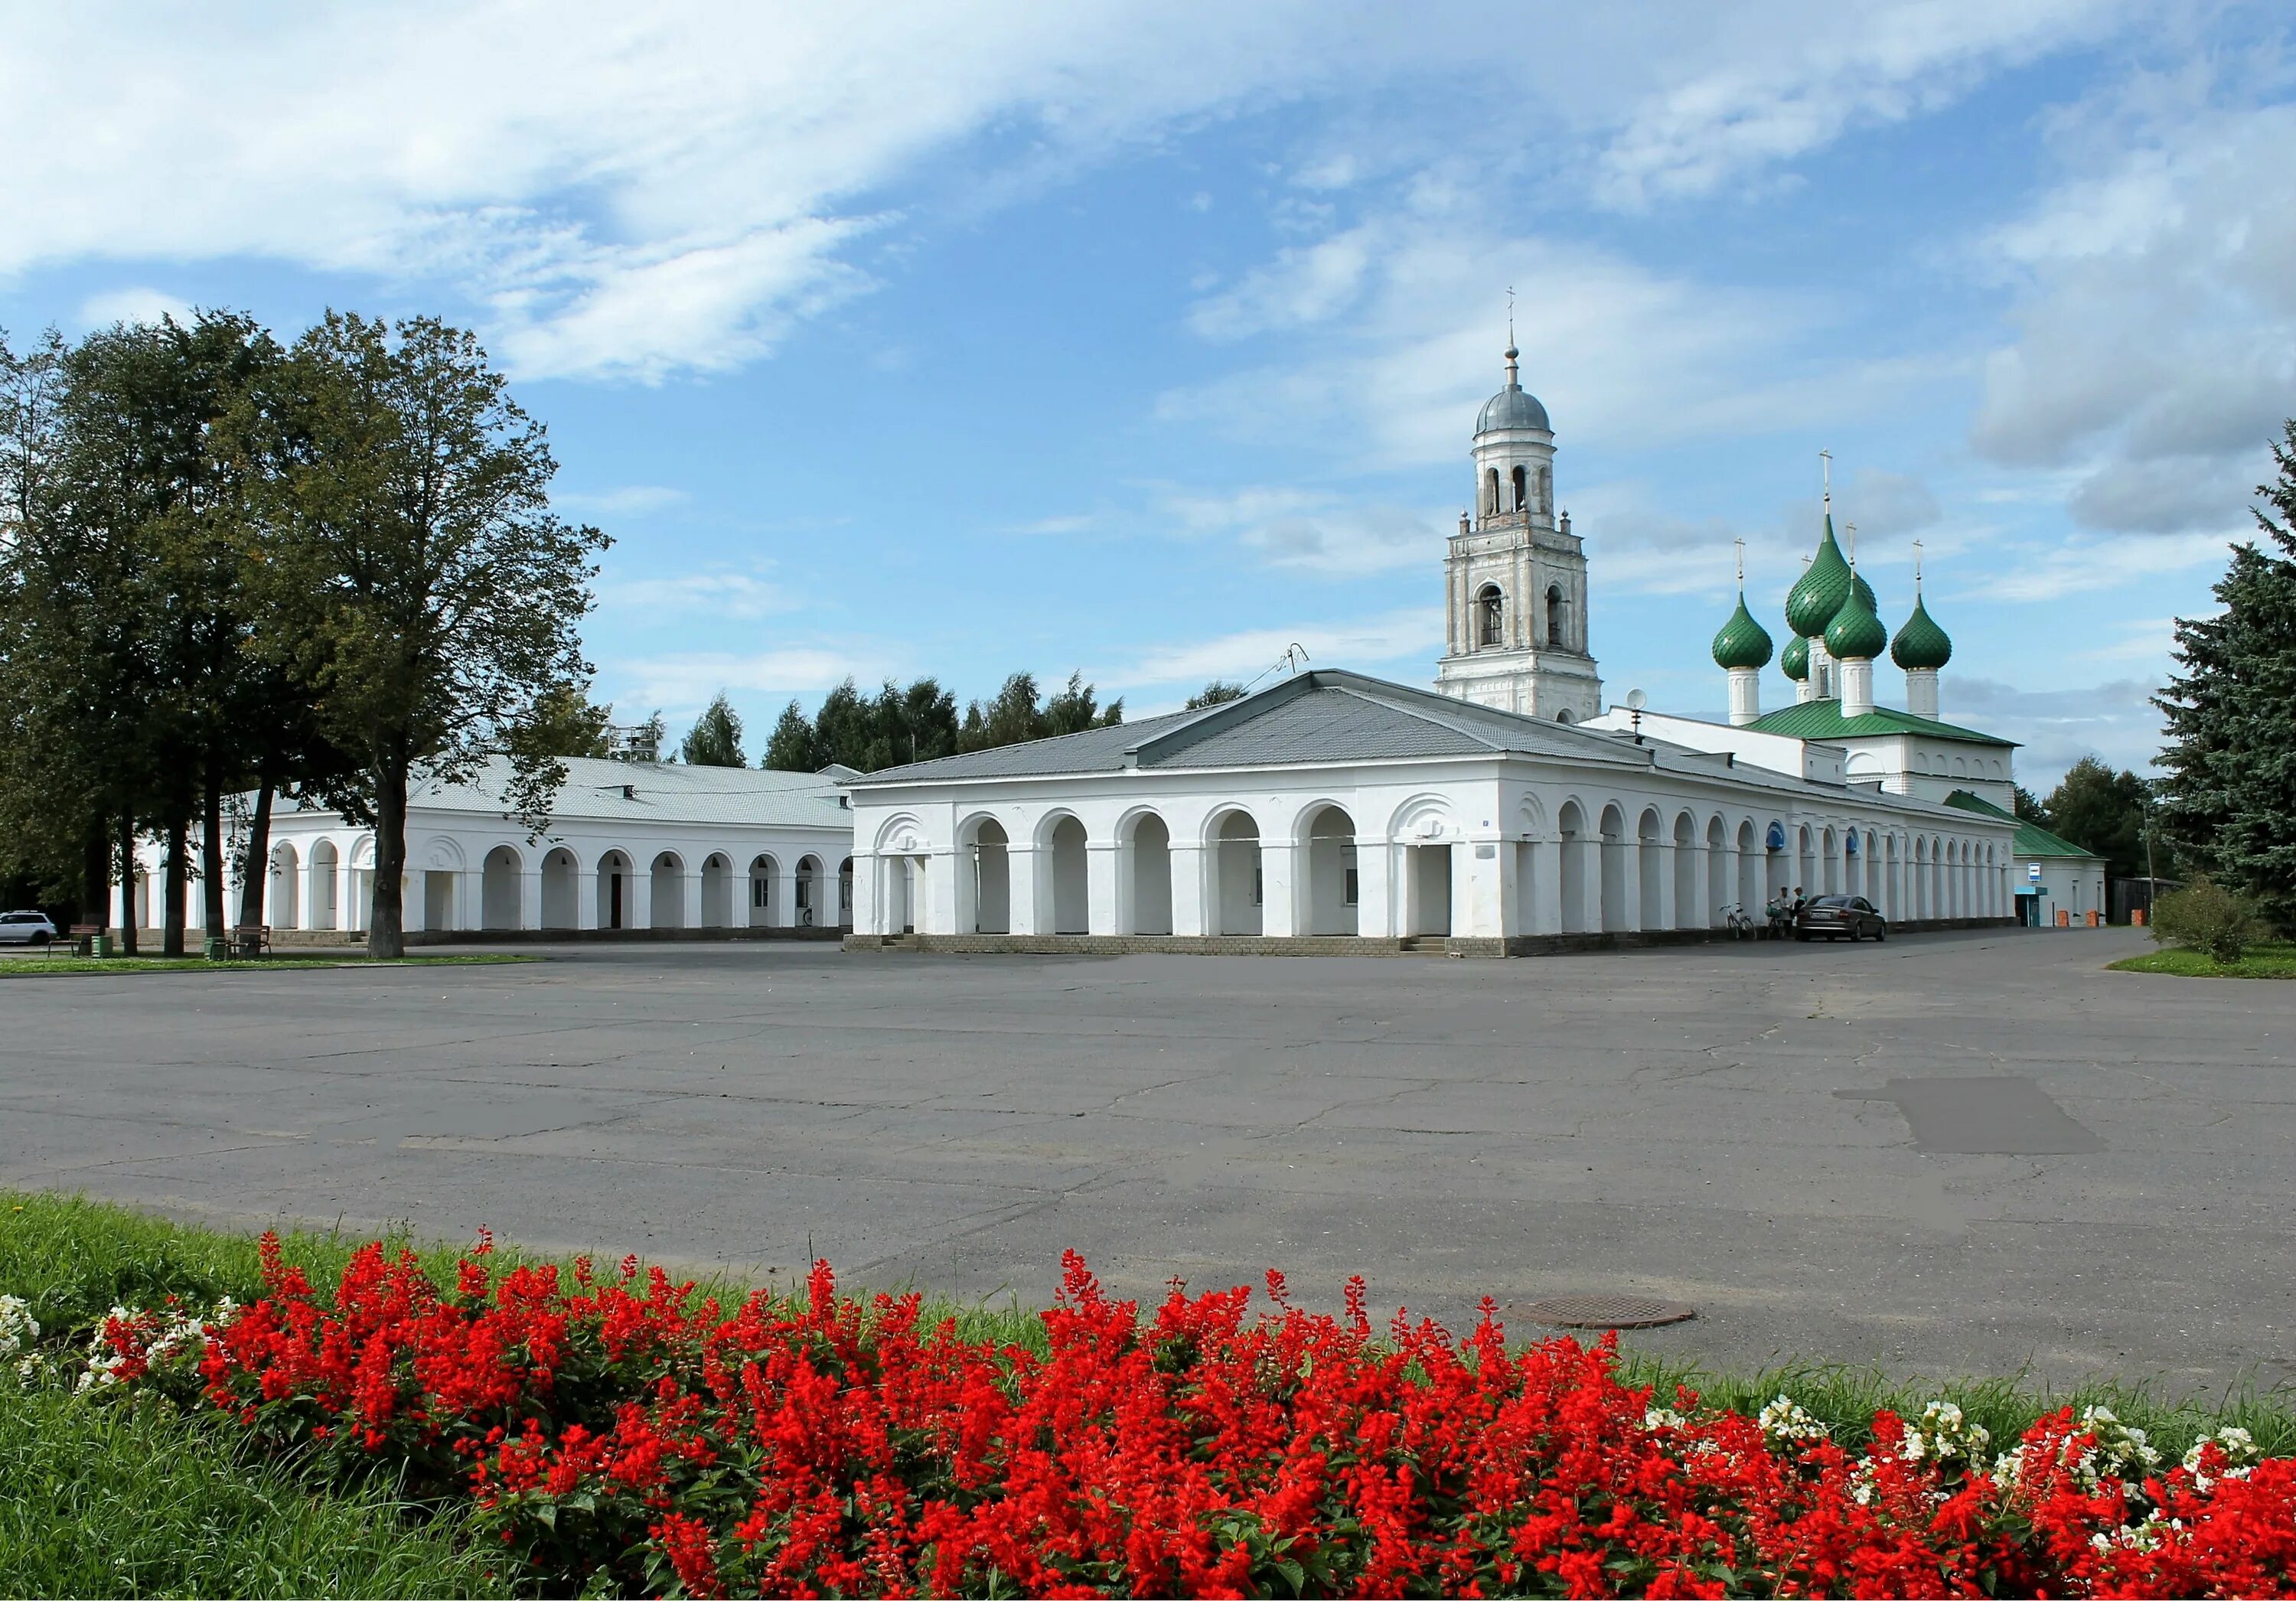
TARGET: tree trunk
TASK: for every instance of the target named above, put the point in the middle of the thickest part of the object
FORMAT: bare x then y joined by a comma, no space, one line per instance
95,873
177,873
386,936
129,919
211,857
258,858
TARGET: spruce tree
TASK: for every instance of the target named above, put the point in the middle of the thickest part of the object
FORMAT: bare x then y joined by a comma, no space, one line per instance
791,749
714,740
2229,801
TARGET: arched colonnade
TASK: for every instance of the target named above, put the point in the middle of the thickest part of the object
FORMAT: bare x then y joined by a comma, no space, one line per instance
1245,869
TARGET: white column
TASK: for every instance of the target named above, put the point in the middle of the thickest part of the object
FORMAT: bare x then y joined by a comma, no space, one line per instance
782,912
1375,888
1188,894
1546,886
1481,896
1664,862
637,895
1278,879
1099,859
414,901
944,869
1630,884
530,898
1021,864
310,893
586,895
691,896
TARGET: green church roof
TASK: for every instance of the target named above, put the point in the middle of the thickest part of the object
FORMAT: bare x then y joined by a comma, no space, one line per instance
1743,642
1794,660
1824,583
1921,643
2032,839
1823,720
1856,634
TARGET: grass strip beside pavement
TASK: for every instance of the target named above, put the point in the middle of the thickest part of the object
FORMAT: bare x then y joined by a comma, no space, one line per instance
23,967
104,1499
74,1258
2276,961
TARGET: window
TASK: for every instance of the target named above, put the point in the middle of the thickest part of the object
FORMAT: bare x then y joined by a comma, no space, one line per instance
761,892
1348,887
804,893
1490,617
1254,886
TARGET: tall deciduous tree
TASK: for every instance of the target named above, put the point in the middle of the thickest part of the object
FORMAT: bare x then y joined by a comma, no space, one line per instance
790,748
714,740
2229,799
2104,810
412,572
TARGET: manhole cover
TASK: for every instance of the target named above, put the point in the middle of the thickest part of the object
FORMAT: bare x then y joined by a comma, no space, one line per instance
1607,1311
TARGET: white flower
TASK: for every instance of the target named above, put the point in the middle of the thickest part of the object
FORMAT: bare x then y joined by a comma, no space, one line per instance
18,1327
1663,1417
2239,1449
1944,1435
1784,1419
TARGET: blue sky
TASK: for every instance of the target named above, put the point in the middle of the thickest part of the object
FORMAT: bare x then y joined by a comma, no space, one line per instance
1146,340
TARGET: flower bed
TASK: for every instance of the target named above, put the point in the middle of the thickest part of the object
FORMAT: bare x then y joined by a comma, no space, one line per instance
620,1426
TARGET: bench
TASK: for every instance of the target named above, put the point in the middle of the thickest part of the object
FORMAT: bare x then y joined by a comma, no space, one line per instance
248,939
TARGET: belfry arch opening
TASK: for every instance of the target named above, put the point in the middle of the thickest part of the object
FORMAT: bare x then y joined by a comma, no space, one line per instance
1556,639
1490,616
1521,489
1491,492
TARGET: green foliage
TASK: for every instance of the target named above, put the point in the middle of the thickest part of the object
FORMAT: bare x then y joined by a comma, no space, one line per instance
2256,961
109,1499
2205,915
2029,806
2231,716
1217,693
714,740
562,721
920,723
2095,806
412,574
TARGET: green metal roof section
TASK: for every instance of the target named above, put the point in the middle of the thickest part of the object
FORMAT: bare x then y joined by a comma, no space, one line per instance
2032,839
1794,660
1823,585
1823,720
1921,643
1856,634
1743,642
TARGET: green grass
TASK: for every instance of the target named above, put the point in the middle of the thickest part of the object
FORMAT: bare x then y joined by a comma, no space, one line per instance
112,1499
19,968
2276,961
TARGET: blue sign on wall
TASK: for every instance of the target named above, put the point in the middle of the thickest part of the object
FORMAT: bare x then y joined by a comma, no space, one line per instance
1777,839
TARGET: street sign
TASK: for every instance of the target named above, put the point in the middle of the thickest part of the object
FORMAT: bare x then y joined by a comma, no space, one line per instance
2033,872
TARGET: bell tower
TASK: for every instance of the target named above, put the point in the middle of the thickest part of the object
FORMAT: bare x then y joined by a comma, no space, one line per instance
1516,576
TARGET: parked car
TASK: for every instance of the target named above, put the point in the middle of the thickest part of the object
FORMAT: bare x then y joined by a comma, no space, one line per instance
1835,915
26,928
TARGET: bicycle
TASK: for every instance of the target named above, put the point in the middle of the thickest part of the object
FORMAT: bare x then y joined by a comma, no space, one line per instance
1735,919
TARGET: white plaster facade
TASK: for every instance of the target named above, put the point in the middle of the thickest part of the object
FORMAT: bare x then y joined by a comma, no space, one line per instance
1544,830
630,845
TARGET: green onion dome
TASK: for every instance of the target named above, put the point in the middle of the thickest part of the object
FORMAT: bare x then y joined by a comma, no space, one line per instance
1824,583
1743,642
1856,634
1921,643
1794,660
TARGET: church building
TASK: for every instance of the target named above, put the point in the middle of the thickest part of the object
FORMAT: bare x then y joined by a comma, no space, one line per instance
1504,812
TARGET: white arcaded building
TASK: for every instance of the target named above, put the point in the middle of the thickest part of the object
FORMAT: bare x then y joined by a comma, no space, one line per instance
1505,813
629,846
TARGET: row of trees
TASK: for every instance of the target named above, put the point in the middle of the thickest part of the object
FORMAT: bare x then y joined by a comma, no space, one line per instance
312,569
920,722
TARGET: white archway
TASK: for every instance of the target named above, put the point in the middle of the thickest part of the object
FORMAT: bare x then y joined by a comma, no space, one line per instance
666,889
1334,880
1236,882
1579,861
764,871
561,880
617,891
718,890
1066,894
282,899
986,880
498,889
321,882
1146,859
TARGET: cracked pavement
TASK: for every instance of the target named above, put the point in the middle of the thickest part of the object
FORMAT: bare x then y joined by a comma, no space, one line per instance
1660,1122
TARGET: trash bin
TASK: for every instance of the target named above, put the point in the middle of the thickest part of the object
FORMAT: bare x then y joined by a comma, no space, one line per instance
2136,919
99,945
216,949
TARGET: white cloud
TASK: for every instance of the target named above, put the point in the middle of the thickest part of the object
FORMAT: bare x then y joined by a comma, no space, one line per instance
141,304
695,598
2080,566
1311,530
630,500
2114,720
1740,93
2155,351
1414,631
687,681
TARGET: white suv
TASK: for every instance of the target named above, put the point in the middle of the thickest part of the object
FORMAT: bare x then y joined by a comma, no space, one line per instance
26,928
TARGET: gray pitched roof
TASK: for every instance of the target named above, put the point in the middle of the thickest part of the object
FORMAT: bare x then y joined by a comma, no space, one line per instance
656,793
1324,716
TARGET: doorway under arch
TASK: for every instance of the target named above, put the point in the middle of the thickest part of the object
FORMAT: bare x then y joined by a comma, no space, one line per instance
1149,853
668,888
1334,884
1071,883
989,864
498,887
616,903
763,871
1237,874
558,888
718,890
